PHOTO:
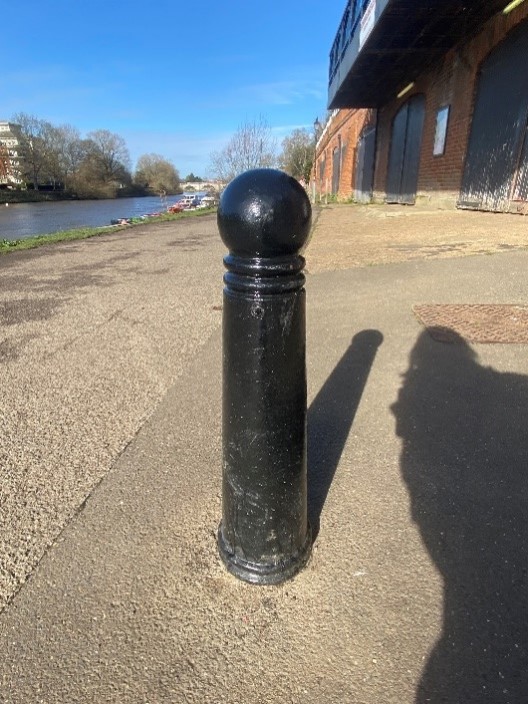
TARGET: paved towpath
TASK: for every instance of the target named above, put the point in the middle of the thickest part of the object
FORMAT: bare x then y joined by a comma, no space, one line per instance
93,334
111,483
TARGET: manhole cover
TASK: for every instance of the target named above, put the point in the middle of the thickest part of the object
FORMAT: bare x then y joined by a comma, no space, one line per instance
475,322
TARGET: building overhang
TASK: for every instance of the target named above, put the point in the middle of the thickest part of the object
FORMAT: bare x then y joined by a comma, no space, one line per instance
383,45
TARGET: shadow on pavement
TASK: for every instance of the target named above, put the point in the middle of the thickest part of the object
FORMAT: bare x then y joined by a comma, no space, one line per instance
465,462
331,415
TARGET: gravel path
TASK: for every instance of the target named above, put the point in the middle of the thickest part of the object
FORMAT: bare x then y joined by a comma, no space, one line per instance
93,333
348,236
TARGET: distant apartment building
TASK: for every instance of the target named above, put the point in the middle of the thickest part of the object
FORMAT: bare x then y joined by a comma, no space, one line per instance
10,176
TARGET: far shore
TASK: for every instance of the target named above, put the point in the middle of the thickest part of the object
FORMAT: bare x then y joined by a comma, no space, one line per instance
31,196
7,246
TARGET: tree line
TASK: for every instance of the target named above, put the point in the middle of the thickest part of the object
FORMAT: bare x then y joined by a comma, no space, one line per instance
253,146
57,158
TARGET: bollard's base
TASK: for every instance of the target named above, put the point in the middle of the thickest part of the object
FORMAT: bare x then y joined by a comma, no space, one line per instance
264,573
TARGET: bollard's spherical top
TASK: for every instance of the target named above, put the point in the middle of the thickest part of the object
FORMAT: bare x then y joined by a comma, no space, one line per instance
264,213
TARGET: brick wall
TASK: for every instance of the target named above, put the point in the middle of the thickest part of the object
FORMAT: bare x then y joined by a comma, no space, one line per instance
453,82
341,132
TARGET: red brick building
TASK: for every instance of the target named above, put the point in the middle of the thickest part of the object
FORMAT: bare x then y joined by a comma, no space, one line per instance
430,105
337,154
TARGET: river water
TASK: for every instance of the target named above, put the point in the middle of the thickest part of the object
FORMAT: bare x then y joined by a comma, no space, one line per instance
22,220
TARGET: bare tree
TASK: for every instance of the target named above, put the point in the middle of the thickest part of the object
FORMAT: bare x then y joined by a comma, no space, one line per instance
70,152
5,164
157,174
35,148
109,158
252,146
298,154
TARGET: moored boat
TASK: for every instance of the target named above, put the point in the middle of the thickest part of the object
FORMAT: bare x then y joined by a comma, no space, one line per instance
189,201
176,208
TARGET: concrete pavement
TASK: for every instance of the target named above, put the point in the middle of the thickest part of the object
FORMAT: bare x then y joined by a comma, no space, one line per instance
417,466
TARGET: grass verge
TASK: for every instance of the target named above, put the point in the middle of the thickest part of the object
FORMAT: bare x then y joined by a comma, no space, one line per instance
84,233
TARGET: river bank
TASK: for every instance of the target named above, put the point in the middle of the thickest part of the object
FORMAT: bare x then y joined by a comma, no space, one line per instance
7,246
26,220
31,196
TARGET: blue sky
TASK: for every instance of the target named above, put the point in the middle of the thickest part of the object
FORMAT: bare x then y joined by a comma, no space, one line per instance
173,78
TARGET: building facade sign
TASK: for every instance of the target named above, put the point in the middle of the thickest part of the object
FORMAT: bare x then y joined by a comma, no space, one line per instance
367,22
442,117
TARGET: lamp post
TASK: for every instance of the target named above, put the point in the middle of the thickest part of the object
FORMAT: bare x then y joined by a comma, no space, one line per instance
317,131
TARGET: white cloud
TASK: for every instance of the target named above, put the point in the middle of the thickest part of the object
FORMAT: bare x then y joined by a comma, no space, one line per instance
285,92
281,131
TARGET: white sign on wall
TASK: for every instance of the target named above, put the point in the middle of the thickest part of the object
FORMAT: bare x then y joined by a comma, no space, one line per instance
442,117
367,22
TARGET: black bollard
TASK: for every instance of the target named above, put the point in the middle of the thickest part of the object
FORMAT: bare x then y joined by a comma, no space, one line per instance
264,219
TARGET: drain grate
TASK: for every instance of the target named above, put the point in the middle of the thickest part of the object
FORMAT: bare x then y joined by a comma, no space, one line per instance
475,322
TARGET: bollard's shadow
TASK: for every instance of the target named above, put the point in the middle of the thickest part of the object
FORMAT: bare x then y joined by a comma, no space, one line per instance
331,415
464,431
